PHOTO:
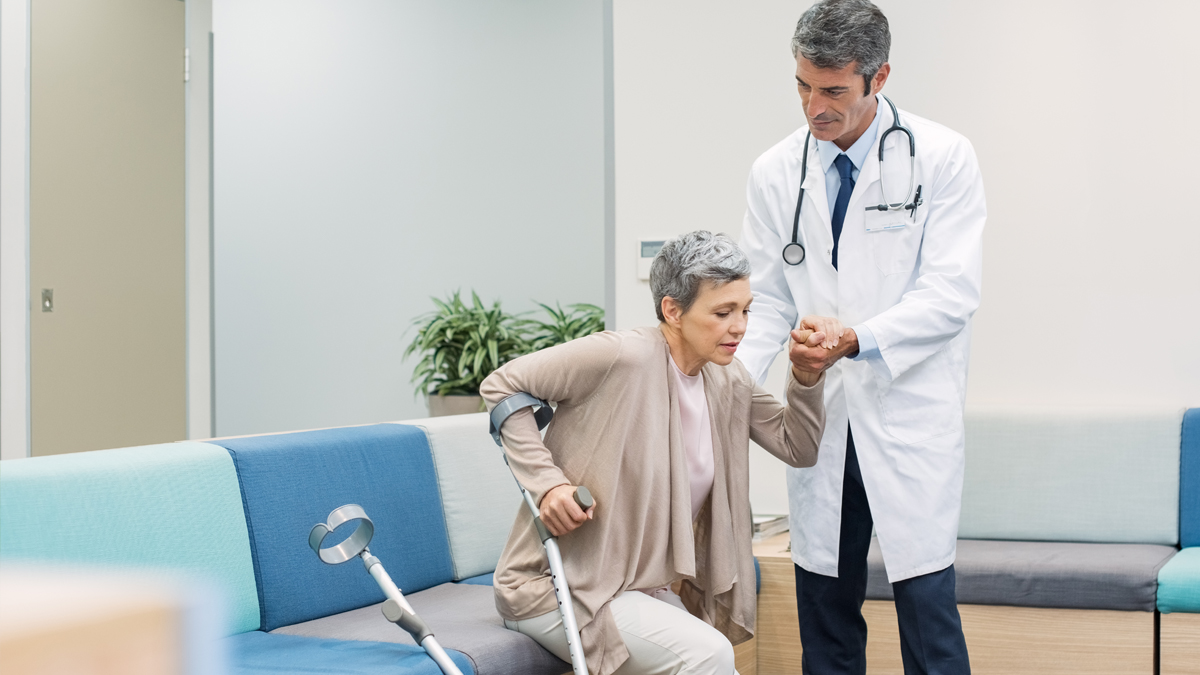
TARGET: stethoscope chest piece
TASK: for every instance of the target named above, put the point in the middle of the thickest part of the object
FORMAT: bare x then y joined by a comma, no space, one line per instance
793,253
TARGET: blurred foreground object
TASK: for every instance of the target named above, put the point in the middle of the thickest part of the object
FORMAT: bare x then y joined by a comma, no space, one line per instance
68,620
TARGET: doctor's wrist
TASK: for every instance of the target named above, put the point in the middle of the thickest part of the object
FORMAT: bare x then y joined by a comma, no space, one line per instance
848,344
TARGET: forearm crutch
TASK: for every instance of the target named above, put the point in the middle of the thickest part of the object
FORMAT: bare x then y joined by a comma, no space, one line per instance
395,608
543,414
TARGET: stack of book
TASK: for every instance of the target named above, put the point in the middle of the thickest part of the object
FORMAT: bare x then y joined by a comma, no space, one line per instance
767,526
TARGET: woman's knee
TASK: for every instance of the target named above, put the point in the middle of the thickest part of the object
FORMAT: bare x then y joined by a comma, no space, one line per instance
718,660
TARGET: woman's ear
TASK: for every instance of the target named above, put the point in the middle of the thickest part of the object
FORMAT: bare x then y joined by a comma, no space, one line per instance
671,312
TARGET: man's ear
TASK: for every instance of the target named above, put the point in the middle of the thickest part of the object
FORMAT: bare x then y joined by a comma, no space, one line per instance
880,78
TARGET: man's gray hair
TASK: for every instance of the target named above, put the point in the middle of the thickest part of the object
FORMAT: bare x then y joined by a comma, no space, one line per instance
691,258
836,33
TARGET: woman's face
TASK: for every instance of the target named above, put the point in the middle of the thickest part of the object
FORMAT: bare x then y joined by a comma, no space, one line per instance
714,325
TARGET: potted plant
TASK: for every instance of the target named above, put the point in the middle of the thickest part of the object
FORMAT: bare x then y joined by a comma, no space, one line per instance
460,345
576,321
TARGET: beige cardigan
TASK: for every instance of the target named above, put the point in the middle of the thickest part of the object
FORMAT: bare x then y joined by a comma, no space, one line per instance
616,430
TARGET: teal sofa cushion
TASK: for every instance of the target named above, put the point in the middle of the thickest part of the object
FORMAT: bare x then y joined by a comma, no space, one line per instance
174,506
1179,583
1072,476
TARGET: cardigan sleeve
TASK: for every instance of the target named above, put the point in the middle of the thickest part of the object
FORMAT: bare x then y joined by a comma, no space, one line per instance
566,374
791,432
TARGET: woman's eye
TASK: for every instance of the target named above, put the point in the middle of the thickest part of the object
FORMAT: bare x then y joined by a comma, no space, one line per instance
722,314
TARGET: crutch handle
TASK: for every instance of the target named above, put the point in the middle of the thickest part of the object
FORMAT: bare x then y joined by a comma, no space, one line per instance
584,498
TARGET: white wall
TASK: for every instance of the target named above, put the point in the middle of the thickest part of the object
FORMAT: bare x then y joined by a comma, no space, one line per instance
1092,283
14,229
370,154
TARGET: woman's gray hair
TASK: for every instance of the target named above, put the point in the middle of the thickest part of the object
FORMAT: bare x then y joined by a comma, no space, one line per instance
836,33
691,258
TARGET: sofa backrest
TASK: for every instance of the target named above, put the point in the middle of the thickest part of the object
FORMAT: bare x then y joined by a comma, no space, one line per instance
174,506
289,482
1074,476
1189,480
480,498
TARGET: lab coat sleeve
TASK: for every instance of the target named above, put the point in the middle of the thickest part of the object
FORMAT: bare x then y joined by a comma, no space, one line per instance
566,374
773,314
947,291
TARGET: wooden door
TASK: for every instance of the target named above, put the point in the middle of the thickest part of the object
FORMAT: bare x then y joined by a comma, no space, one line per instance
106,232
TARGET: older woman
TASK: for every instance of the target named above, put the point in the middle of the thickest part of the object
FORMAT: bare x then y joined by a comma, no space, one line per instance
656,422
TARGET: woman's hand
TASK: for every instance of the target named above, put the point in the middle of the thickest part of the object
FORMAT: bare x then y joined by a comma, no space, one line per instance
560,513
812,340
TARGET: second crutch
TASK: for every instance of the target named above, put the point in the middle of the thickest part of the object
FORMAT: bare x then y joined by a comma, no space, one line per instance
395,608
543,414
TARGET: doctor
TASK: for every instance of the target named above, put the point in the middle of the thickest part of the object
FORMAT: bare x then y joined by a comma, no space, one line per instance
906,280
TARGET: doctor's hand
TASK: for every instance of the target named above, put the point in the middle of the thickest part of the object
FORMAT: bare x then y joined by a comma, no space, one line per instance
831,328
809,357
560,513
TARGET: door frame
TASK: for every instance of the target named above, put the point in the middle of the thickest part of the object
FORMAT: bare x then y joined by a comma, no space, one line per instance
15,410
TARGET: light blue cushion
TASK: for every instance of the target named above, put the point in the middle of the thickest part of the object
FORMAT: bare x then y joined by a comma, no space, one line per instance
1072,476
292,481
258,653
480,498
173,506
1189,480
1179,583
481,580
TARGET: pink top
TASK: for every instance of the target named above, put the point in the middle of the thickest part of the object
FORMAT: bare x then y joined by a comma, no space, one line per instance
697,434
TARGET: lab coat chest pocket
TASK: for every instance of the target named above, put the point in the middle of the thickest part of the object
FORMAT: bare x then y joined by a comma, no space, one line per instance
895,240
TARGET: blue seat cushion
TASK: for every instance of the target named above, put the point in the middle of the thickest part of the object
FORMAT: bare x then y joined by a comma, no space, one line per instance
481,580
1179,583
289,482
257,652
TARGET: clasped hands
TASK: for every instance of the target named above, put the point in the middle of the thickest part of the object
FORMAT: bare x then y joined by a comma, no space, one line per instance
817,344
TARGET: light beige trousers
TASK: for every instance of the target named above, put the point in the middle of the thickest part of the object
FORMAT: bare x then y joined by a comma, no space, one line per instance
661,636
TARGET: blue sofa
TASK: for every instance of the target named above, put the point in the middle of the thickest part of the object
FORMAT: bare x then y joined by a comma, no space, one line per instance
237,512
1074,514
1070,524
1179,580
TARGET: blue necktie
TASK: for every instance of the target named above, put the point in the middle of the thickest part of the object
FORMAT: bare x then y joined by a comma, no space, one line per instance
845,168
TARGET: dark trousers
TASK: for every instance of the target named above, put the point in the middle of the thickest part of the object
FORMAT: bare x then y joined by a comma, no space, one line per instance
832,629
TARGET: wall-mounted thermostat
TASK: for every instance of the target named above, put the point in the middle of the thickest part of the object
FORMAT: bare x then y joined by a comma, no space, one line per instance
647,249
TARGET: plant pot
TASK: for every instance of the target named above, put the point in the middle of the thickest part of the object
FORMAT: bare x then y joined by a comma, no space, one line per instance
440,406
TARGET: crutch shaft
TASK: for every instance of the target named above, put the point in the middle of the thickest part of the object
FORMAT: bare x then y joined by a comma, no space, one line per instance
566,606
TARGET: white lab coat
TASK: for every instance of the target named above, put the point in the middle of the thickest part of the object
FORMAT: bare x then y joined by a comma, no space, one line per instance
915,285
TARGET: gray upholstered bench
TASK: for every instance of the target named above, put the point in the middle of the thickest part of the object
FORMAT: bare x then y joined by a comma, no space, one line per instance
1047,574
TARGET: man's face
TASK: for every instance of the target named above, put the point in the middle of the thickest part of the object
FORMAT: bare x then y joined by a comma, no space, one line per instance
834,102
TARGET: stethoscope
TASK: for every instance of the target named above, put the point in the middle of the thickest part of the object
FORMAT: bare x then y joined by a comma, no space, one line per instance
793,253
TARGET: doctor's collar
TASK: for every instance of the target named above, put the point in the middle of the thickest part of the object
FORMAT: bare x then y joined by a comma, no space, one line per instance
828,151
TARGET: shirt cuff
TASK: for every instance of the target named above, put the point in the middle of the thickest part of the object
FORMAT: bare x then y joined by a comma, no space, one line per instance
868,347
